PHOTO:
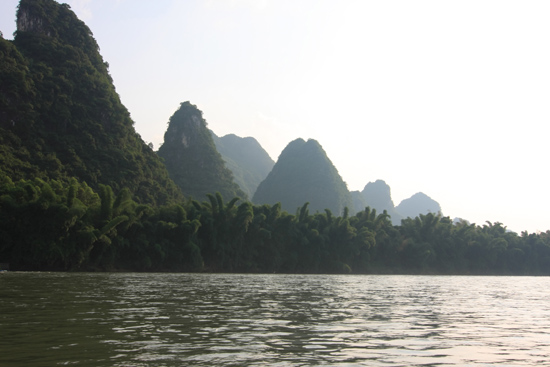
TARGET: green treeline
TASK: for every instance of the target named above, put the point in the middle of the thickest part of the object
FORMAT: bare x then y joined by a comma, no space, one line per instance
80,190
60,225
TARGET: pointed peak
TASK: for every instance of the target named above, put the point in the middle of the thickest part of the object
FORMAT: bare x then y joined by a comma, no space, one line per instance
186,125
298,141
49,18
378,185
303,173
419,203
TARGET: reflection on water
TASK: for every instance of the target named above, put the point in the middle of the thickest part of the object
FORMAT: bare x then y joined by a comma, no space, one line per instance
51,319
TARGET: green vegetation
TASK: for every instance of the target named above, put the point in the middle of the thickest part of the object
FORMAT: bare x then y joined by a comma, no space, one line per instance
80,190
60,116
192,159
55,225
304,173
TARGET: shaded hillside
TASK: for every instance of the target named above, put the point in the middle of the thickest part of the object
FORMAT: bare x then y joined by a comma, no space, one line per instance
60,115
377,195
358,201
303,173
192,159
246,158
419,203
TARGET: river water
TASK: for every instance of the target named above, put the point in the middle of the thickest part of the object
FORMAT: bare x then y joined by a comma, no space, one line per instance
137,319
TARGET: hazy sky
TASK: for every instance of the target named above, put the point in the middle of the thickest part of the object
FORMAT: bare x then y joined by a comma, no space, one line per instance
451,98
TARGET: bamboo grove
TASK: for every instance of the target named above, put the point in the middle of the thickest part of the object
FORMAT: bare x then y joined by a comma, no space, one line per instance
54,225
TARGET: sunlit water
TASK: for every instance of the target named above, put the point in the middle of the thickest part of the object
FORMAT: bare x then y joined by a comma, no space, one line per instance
49,319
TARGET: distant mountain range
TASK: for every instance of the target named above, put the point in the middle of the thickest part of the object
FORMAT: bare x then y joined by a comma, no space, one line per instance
246,158
61,118
80,189
377,195
304,173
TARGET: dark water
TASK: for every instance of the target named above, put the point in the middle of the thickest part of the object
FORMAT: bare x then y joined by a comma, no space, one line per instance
49,319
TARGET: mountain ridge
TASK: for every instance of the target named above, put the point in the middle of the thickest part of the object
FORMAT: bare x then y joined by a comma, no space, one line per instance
303,173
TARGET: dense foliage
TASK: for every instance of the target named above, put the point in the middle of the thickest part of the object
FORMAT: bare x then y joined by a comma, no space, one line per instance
51,225
304,173
60,116
191,156
80,190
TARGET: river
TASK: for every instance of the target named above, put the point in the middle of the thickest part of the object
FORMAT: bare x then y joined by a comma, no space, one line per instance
143,319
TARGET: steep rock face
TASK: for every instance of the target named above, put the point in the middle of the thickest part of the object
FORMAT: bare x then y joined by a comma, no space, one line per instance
246,158
32,18
303,173
419,203
192,159
377,195
61,114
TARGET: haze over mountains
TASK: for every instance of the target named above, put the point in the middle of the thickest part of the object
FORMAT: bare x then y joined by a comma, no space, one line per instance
61,117
246,158
303,173
80,189
377,195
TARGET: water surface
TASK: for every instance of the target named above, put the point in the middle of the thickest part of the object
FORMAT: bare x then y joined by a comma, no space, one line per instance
136,319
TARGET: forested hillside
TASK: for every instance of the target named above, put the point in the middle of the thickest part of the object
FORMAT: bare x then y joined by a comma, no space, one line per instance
60,114
80,190
192,159
304,173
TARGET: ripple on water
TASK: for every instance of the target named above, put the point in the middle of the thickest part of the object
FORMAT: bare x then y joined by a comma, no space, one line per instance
276,320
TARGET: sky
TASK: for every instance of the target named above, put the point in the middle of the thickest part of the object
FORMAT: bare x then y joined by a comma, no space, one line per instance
448,98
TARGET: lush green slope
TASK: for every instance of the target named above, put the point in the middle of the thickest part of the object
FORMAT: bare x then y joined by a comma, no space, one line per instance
304,173
60,114
246,158
62,123
192,159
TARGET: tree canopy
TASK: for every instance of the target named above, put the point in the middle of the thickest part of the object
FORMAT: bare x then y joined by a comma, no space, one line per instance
60,116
